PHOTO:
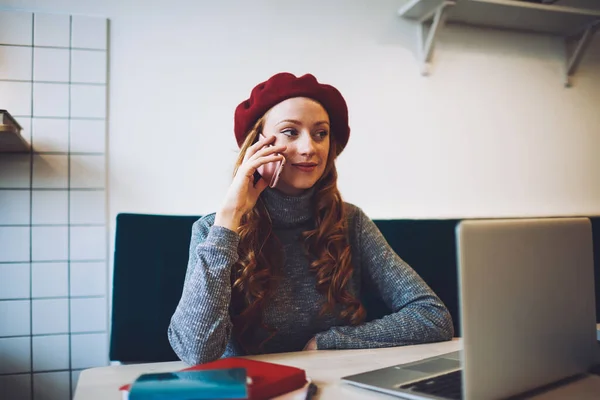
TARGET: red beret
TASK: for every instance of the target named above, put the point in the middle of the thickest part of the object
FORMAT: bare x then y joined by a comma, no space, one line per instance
283,86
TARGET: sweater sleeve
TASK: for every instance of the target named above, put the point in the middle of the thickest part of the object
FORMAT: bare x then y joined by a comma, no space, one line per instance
200,327
418,315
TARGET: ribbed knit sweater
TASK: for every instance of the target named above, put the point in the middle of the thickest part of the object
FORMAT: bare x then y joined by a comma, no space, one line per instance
201,327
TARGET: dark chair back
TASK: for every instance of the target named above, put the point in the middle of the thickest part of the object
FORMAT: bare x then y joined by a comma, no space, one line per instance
150,261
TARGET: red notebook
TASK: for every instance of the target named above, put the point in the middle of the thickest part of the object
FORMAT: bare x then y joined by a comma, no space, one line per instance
268,379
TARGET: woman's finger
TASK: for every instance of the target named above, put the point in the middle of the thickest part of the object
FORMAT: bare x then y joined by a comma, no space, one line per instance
267,151
252,165
260,143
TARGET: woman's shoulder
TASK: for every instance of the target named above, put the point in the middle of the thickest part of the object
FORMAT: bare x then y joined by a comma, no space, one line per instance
354,214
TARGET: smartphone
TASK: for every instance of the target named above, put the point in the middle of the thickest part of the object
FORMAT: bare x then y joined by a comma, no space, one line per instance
270,172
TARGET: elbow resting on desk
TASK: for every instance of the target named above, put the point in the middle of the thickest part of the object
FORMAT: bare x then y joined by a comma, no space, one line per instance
432,320
193,349
429,318
441,328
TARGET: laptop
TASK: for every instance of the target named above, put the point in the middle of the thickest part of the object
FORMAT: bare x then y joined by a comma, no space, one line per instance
528,317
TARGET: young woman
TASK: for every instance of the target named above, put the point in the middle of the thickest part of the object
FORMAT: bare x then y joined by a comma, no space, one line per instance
282,268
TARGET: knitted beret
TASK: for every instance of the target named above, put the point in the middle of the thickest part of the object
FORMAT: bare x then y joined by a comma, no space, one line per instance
283,86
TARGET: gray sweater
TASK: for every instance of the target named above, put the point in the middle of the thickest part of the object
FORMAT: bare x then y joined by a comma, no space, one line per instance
201,329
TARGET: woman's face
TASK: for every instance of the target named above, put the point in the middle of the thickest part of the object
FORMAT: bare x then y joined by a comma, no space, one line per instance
303,126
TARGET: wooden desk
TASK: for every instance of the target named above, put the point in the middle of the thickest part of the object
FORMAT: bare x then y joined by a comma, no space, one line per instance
325,367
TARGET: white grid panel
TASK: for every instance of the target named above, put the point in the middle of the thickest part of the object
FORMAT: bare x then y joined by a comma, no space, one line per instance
53,250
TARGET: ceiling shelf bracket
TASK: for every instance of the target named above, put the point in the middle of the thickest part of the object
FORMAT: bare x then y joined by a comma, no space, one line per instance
575,50
427,35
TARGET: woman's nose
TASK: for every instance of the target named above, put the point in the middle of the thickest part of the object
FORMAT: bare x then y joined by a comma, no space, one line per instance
305,144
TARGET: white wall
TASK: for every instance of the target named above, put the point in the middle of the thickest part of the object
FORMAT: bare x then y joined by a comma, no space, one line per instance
491,133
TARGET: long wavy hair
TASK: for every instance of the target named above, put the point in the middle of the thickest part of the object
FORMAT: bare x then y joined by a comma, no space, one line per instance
258,270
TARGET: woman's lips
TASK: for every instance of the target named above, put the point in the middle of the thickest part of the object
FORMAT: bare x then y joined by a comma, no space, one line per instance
308,167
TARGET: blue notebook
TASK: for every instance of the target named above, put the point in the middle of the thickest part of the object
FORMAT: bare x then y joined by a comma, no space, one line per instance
218,384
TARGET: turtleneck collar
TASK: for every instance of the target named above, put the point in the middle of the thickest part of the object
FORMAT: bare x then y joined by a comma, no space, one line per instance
286,210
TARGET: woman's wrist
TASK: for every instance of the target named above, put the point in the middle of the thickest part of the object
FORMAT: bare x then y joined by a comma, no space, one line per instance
229,219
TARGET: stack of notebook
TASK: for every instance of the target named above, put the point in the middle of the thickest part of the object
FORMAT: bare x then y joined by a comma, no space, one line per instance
227,378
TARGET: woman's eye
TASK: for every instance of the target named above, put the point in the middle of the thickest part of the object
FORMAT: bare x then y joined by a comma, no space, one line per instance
322,134
289,131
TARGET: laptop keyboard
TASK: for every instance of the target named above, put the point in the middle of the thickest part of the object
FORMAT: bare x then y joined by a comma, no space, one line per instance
448,386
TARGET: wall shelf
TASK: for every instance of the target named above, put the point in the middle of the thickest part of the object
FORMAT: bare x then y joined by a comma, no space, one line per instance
575,25
11,140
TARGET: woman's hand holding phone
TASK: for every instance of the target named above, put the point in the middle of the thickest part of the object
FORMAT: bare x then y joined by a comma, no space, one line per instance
243,191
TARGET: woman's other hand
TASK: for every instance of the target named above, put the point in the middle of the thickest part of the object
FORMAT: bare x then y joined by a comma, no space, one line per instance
311,345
